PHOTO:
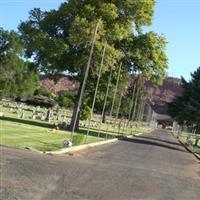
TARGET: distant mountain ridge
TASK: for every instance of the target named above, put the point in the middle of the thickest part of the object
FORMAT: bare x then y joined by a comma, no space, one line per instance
62,85
157,95
167,92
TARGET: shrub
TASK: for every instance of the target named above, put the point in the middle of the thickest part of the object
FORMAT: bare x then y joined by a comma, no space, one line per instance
42,91
41,101
85,113
66,99
52,95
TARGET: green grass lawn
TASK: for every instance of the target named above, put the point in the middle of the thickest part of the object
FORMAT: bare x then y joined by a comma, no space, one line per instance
22,135
38,134
40,138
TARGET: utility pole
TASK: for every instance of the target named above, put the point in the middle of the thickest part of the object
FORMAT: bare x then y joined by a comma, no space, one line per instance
105,102
96,89
113,102
77,110
135,104
131,107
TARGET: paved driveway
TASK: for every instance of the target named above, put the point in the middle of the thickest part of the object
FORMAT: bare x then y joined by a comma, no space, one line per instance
148,167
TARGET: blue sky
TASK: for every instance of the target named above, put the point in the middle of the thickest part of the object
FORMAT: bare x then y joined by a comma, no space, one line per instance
178,20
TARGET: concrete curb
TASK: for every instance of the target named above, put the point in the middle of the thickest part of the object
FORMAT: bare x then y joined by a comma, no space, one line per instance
195,154
86,146
80,147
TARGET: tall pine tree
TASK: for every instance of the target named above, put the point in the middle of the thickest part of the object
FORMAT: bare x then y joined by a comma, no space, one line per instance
186,108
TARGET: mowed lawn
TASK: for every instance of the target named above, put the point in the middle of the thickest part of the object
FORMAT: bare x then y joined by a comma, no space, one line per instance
40,138
38,134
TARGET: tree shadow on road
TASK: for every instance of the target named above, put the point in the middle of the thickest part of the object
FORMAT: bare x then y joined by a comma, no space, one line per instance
147,142
160,140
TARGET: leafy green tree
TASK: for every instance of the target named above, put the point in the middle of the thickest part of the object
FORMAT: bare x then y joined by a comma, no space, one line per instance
66,99
85,112
42,91
123,90
60,40
185,109
17,77
146,56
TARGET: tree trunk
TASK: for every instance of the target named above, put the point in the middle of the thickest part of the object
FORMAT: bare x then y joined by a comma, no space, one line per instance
104,117
74,113
77,108
48,115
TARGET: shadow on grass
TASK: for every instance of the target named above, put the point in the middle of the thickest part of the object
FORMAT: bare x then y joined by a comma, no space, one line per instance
28,122
50,126
95,134
117,133
96,130
147,142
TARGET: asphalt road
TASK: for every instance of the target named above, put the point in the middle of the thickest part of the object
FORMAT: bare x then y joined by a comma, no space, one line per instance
148,167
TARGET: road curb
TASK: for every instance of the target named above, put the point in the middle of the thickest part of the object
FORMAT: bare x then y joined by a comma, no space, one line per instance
195,154
80,147
86,146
